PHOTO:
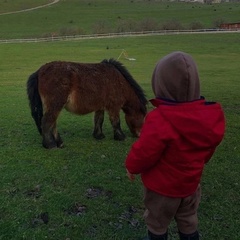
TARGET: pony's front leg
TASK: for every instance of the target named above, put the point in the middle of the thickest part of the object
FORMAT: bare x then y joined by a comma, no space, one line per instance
49,132
57,137
98,122
117,131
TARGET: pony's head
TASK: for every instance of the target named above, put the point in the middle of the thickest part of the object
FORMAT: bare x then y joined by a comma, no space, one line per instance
135,119
135,105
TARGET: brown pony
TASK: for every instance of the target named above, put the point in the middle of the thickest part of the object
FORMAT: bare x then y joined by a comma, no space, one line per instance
82,88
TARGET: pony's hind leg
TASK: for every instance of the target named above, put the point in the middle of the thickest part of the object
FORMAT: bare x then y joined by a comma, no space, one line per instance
117,131
98,122
51,138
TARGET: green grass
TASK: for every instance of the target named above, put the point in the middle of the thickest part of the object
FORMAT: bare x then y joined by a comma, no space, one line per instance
81,17
18,5
35,181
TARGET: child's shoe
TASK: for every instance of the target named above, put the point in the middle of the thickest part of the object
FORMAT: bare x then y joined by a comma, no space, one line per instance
193,236
152,236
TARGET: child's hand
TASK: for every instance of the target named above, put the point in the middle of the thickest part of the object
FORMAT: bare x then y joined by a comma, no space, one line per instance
130,176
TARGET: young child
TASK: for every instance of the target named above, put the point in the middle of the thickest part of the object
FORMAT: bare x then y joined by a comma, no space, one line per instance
178,138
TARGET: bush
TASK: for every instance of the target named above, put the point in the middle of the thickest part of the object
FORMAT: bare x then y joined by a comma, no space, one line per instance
196,25
128,25
148,24
172,25
101,26
217,23
70,31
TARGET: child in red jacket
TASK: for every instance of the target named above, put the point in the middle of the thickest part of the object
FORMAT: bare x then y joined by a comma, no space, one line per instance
178,138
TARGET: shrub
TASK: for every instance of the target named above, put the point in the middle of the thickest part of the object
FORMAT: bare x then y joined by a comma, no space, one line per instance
148,24
128,25
196,25
217,23
101,26
172,25
70,31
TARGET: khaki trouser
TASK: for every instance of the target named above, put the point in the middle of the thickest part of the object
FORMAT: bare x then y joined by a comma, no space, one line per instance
161,210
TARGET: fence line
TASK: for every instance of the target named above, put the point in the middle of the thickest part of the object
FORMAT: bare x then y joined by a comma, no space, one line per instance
113,35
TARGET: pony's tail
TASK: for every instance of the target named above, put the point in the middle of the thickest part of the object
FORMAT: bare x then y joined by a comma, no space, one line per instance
35,102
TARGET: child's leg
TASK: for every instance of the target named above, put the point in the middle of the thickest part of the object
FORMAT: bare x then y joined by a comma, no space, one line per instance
186,216
160,210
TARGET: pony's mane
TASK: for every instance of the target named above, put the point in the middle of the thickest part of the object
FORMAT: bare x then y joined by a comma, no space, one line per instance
133,83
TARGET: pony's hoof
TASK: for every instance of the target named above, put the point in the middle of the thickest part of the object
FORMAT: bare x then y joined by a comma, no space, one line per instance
49,146
60,144
99,136
119,137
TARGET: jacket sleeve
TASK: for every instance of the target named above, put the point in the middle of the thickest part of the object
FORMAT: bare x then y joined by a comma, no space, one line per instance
150,146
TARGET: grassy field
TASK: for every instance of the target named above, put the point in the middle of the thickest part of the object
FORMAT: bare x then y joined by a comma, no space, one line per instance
18,5
94,16
81,191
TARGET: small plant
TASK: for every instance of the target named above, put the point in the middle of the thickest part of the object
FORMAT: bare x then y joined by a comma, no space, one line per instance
101,26
196,25
217,23
172,25
71,31
148,24
126,25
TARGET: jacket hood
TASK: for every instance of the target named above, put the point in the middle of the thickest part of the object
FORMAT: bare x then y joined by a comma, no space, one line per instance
175,77
200,123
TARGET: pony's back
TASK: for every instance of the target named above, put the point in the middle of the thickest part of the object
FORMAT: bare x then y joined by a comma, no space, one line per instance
87,87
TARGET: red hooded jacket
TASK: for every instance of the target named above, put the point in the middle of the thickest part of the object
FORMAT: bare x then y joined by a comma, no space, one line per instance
175,143
180,135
